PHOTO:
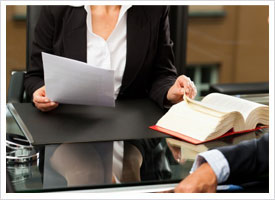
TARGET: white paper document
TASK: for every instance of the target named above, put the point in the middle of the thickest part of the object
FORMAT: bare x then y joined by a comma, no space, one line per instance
70,81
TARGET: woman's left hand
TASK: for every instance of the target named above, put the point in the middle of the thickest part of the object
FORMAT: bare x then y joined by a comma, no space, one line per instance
183,85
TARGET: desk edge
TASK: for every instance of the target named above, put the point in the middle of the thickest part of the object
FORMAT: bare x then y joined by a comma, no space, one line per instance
20,122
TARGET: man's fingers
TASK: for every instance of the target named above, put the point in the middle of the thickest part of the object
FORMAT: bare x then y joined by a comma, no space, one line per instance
167,191
202,180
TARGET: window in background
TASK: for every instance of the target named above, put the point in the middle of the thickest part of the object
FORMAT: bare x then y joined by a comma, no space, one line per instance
19,13
207,11
227,44
203,76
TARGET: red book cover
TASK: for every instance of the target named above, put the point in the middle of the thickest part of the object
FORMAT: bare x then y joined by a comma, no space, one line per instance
195,141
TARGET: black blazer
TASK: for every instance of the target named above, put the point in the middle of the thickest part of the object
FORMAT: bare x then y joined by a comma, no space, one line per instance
248,159
150,71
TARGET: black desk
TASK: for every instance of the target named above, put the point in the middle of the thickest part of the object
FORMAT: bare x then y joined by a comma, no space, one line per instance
30,177
130,119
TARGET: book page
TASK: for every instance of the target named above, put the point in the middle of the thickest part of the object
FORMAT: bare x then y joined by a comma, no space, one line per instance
212,117
183,119
204,108
227,103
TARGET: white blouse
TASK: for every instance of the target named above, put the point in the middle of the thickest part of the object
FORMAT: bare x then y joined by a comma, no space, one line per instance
110,54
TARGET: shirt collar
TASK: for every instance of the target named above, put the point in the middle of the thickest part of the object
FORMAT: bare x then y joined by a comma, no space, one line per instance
76,5
122,11
123,8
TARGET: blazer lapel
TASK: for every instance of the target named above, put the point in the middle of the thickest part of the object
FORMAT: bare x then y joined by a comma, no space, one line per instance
138,37
75,34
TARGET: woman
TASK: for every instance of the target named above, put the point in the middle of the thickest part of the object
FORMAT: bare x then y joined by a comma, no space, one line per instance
132,40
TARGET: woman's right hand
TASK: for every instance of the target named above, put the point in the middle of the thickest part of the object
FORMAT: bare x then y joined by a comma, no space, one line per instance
42,102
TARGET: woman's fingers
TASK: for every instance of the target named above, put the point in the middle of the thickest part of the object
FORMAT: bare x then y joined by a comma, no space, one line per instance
42,102
188,86
182,86
46,106
194,91
40,99
39,95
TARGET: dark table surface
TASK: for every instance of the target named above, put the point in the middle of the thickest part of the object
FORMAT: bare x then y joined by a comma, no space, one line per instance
165,163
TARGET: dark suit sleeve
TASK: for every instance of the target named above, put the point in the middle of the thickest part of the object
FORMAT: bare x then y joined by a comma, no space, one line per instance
43,37
165,72
248,159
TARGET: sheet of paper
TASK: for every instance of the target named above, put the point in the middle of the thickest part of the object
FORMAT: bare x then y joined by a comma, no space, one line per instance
73,82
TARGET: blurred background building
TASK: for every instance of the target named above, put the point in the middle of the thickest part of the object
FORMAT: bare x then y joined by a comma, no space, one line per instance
225,44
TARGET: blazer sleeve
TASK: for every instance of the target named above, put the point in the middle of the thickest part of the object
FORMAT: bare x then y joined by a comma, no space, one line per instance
165,73
248,159
42,41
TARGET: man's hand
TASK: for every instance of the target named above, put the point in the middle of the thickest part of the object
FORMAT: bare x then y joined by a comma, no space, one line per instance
42,102
182,85
202,180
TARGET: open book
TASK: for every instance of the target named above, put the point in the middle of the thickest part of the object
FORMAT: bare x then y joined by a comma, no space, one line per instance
215,116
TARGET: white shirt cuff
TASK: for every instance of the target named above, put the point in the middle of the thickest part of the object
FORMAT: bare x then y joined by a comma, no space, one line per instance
217,161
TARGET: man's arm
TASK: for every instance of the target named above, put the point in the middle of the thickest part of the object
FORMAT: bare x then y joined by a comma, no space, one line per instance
247,159
252,153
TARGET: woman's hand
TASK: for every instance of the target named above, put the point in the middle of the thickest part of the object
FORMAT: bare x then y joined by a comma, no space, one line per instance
176,152
183,85
42,102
